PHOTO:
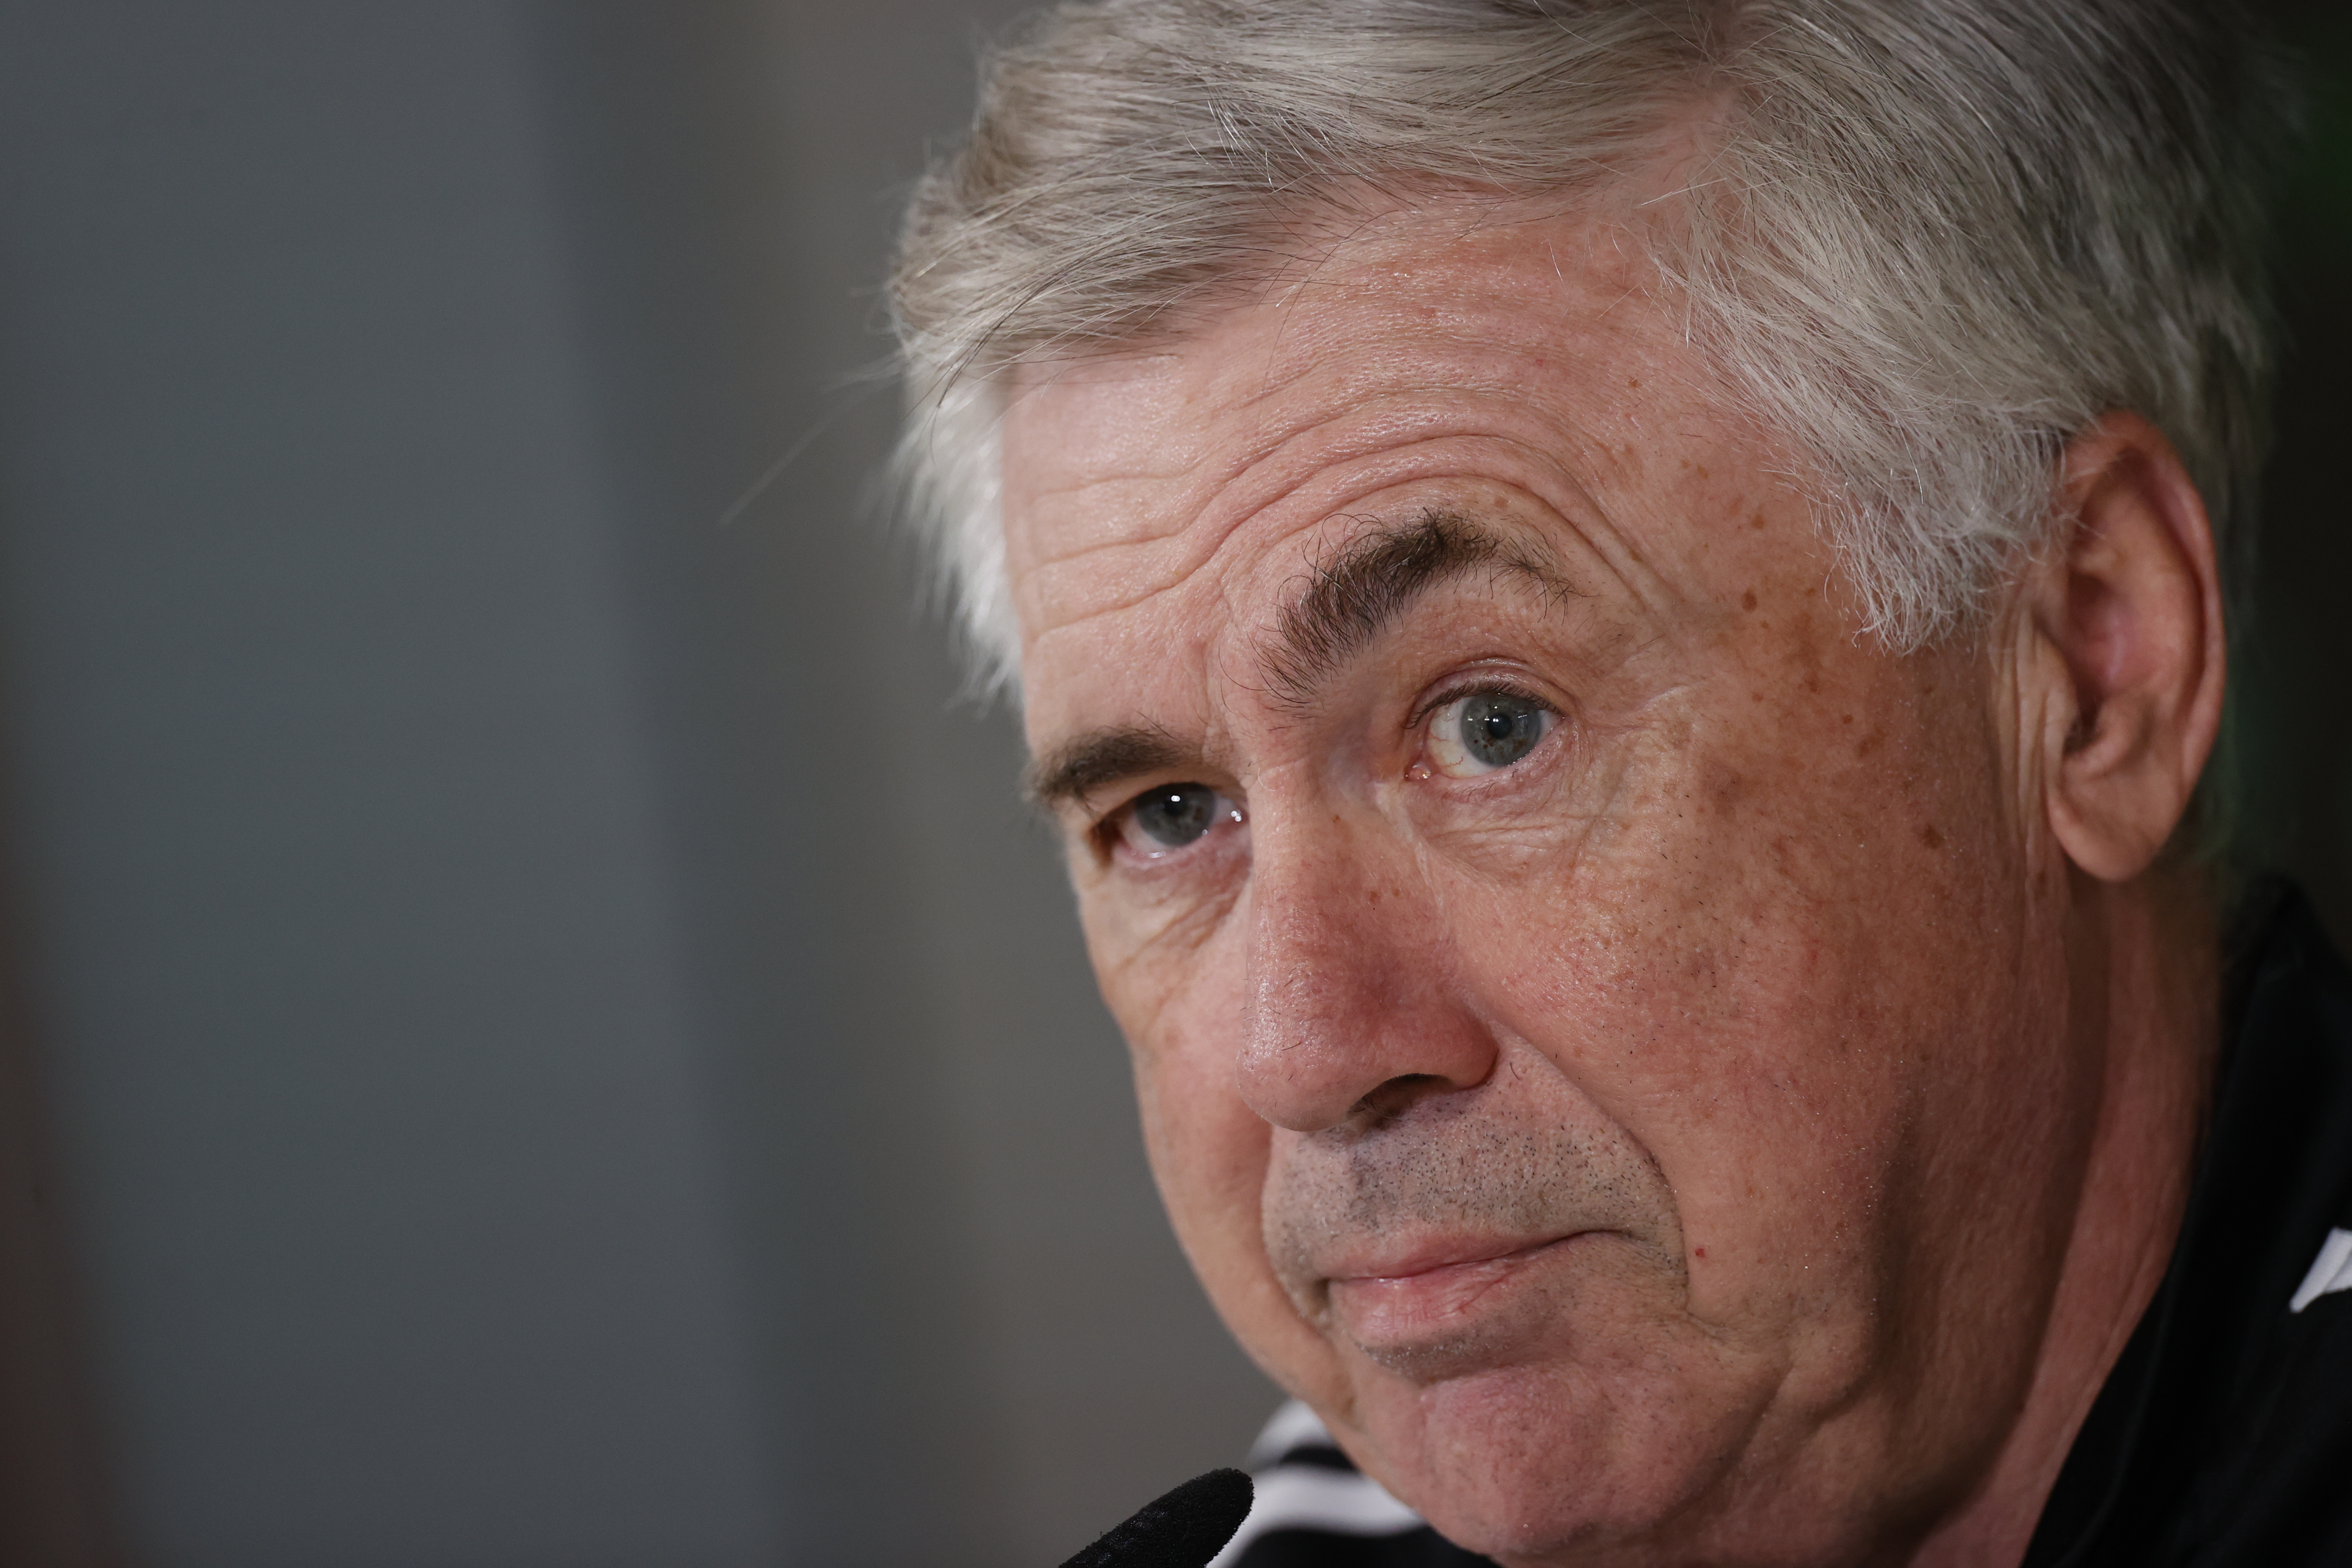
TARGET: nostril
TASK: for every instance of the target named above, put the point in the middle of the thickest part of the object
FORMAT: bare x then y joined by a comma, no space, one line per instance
1394,1098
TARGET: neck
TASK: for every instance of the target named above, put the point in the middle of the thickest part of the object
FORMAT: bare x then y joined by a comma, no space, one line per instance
2150,956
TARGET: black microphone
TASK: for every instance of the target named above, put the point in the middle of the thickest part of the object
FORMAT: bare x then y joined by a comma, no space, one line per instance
1182,1530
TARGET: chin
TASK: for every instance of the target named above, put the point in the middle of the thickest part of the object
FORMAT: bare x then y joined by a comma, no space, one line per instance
1541,1464
1514,1462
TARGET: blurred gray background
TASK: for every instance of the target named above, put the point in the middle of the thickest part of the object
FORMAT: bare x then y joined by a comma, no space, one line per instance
562,1047
533,1030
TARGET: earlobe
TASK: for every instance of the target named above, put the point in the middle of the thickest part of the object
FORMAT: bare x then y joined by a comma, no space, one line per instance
2132,612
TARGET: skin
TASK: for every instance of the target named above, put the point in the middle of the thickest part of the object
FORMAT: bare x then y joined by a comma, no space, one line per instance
1746,1128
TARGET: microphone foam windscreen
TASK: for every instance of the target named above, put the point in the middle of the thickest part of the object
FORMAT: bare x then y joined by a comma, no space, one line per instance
1182,1530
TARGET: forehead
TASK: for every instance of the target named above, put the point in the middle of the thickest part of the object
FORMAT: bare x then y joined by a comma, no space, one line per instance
1154,500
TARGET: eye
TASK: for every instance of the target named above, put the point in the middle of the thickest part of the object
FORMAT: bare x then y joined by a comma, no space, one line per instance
1486,730
1173,817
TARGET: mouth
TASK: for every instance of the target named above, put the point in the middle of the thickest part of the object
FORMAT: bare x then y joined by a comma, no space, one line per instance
1402,1306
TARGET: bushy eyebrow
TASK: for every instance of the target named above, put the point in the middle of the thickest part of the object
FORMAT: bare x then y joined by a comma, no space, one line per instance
1351,599
1076,769
1375,577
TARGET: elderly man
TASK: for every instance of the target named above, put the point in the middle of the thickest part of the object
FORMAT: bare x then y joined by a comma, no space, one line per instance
1623,604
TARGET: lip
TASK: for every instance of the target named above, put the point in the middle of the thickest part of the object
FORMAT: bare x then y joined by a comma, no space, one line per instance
1436,1291
1434,1255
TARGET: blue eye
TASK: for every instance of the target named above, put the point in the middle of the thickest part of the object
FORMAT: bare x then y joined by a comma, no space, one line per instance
1174,816
1487,731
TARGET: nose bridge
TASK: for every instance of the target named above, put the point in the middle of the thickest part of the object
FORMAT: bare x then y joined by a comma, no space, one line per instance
1313,920
1347,981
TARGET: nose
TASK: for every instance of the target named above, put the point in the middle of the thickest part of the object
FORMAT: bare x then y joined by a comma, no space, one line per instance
1353,1011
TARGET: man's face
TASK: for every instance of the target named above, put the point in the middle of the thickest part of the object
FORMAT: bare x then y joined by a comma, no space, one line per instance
1600,1021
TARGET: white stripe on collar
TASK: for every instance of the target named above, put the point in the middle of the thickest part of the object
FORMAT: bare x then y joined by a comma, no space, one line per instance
2330,1271
1308,1497
1291,1425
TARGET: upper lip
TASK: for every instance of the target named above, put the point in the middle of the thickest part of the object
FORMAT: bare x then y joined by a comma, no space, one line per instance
1426,1256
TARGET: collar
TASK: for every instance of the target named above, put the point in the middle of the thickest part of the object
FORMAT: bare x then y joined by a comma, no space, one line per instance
2218,1438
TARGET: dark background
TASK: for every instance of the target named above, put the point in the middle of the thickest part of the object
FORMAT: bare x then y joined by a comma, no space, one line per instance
2290,747
536,1033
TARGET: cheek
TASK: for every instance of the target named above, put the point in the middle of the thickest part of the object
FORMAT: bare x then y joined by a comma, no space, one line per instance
1208,1150
1782,955
1183,1017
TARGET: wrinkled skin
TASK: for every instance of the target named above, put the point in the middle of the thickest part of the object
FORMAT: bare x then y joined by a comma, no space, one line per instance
1711,1136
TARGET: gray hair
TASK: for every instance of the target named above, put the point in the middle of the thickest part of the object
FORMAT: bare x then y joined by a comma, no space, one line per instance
1929,240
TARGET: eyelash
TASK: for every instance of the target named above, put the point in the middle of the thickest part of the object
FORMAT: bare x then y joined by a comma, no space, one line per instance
1489,687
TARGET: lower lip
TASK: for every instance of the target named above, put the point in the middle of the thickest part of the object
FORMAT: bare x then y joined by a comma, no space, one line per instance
1401,1309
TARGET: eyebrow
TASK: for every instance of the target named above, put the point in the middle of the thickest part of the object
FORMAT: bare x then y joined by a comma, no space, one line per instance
1351,599
1360,592
1071,772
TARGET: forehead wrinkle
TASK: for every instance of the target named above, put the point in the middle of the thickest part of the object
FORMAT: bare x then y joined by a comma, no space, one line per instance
1219,516
1356,593
1373,415
1375,409
1372,458
1603,550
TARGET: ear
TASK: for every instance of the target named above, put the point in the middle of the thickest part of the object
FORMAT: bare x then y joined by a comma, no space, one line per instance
2132,611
